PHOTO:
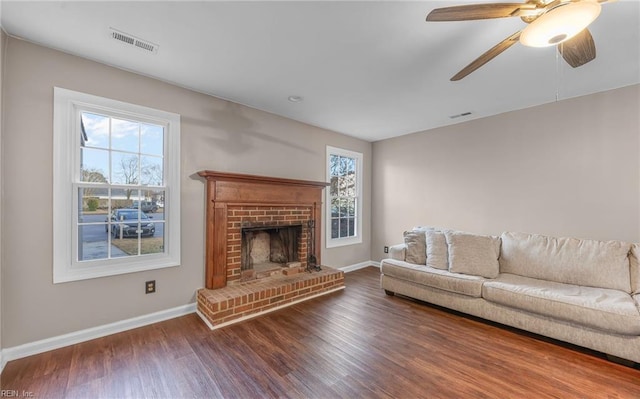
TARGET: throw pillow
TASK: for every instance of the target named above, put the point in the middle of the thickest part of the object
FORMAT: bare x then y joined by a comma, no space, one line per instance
423,228
416,247
473,254
437,254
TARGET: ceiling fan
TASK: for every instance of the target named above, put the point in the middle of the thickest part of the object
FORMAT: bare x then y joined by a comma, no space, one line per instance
551,22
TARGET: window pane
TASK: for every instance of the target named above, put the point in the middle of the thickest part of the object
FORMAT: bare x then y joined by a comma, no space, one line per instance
121,198
334,186
349,186
344,227
91,200
125,135
92,227
151,170
153,244
124,168
94,165
352,224
350,165
335,225
151,203
333,165
96,130
350,205
152,139
342,171
335,207
92,241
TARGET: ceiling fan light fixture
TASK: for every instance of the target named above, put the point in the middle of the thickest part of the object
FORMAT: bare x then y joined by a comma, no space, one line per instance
560,24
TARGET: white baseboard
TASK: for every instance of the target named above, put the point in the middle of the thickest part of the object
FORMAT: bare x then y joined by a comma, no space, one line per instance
75,337
358,266
33,348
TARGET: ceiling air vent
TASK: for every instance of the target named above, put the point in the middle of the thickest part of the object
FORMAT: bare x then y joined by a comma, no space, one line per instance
133,41
459,115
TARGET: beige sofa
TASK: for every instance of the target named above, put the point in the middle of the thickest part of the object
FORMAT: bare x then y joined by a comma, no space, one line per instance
584,292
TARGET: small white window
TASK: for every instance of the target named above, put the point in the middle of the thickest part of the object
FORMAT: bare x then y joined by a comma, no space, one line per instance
344,197
116,195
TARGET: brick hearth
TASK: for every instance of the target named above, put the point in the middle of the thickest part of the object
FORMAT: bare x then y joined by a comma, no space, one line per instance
236,302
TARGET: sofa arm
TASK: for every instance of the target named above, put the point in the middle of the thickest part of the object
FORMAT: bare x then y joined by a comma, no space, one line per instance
397,251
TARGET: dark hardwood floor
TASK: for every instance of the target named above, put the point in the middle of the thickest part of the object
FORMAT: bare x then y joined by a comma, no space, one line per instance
357,343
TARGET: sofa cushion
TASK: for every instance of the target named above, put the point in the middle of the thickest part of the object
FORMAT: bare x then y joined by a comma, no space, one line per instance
437,254
416,251
567,260
435,278
634,264
473,254
599,308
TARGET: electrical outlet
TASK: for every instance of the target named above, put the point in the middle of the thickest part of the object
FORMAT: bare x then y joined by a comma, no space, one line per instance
150,287
386,249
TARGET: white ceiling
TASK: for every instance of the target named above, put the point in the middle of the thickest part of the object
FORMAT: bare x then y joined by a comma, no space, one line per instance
372,70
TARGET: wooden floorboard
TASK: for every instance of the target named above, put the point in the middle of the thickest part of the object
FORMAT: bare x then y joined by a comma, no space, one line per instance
356,343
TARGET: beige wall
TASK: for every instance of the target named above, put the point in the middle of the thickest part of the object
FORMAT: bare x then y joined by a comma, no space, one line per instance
570,168
216,135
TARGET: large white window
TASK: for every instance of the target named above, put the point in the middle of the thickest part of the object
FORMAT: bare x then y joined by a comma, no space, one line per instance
116,195
344,197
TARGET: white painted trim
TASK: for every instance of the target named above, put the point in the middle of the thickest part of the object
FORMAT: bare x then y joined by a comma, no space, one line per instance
67,109
359,266
357,239
204,318
33,348
251,316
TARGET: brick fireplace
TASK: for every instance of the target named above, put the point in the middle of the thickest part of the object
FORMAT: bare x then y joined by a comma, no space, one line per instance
261,234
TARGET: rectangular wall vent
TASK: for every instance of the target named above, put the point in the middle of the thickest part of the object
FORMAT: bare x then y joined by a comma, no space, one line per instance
133,41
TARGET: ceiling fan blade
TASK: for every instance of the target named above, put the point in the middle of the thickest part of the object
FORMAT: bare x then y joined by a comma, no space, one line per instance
578,50
476,11
488,56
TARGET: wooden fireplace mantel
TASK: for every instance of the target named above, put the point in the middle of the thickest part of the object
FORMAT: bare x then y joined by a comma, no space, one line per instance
225,190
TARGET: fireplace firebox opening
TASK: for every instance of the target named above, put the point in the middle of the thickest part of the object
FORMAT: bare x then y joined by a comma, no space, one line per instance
266,248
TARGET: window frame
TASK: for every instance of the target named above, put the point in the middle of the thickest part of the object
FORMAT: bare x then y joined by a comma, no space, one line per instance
344,241
68,106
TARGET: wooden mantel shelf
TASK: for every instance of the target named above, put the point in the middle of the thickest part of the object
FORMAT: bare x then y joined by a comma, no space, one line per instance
224,176
229,192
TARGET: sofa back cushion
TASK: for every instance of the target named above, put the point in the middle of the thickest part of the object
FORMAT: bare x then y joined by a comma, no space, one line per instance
634,255
473,254
603,264
437,254
416,251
